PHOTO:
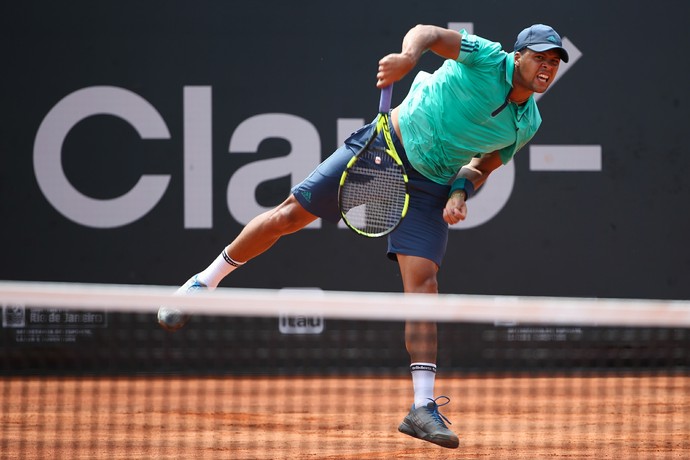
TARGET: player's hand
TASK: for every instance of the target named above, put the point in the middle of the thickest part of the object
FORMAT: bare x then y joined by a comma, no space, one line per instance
456,209
392,68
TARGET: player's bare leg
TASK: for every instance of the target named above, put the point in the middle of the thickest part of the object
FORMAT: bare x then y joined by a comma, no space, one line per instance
264,230
424,421
258,235
419,276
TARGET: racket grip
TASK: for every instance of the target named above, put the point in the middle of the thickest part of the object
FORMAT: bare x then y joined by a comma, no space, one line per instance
385,101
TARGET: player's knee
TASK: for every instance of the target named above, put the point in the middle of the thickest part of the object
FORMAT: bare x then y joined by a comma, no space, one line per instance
419,274
429,284
422,283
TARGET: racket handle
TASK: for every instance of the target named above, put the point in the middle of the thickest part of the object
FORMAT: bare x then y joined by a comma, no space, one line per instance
385,101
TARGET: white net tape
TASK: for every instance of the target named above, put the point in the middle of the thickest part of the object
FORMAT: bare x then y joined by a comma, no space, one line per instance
352,305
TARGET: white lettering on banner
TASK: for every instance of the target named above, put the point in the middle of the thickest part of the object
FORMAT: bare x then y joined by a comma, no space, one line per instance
198,167
303,157
84,210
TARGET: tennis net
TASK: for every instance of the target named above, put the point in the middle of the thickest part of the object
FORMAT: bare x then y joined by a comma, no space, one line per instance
87,373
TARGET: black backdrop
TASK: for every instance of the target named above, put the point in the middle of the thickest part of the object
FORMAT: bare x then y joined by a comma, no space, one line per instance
620,231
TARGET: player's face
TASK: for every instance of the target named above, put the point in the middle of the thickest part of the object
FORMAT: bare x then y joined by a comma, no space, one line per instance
535,71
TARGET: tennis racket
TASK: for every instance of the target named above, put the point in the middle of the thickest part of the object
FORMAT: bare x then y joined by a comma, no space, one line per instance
373,196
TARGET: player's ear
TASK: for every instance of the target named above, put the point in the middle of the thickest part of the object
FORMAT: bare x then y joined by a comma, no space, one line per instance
517,58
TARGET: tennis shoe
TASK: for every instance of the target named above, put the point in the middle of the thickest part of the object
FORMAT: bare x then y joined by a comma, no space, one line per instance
429,424
172,319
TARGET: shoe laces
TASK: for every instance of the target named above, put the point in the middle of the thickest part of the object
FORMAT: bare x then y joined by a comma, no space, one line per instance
433,406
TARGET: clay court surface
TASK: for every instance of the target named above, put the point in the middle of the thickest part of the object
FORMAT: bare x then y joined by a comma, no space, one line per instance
341,418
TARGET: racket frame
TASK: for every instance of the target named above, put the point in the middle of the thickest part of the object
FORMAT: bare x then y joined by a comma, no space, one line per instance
383,124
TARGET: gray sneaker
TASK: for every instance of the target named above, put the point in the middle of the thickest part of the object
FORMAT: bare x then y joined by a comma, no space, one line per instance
172,319
427,423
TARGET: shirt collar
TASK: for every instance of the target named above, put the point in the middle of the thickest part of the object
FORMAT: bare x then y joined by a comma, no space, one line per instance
510,70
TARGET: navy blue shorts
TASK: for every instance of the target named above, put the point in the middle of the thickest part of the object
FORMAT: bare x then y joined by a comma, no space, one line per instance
422,232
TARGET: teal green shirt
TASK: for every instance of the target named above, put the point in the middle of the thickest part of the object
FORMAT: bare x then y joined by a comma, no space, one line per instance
446,118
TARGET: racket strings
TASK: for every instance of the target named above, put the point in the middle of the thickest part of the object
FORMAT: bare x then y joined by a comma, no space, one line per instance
373,196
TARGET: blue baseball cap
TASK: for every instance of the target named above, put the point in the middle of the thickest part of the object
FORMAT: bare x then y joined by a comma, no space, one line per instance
539,38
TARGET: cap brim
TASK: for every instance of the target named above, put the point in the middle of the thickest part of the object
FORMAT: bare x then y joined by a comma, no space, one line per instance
540,48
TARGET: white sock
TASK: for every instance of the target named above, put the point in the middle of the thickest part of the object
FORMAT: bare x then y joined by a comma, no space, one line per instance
219,269
423,378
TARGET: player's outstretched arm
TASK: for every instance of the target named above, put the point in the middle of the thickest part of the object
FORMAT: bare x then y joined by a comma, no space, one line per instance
418,40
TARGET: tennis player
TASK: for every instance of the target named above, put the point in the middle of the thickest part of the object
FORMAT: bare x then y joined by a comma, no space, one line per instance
452,130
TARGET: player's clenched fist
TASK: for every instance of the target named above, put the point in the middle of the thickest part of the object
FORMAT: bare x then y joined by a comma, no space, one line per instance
456,208
392,68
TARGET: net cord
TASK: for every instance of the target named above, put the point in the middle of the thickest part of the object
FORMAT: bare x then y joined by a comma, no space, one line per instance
350,305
